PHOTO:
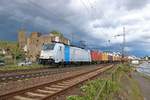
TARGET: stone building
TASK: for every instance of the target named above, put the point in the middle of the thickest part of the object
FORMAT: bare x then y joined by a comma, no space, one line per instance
35,42
22,39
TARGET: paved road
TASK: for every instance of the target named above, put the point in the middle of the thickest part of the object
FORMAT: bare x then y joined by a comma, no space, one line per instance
144,85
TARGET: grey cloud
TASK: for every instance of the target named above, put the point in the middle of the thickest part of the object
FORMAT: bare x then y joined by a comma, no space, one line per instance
136,4
131,4
106,23
47,15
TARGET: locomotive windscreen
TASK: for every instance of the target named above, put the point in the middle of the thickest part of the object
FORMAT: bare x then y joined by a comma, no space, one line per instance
48,46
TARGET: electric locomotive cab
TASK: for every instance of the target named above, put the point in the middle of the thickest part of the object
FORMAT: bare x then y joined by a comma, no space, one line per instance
51,53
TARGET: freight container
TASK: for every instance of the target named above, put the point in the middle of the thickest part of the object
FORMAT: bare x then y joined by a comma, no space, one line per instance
99,56
114,58
119,58
110,57
94,56
104,57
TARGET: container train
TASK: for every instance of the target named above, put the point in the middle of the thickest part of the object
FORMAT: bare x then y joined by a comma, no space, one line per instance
58,53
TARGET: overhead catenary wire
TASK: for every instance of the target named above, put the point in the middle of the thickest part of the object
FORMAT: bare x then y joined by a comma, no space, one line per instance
93,9
53,15
85,6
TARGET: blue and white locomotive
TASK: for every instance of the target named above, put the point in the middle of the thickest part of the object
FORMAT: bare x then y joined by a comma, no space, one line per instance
58,53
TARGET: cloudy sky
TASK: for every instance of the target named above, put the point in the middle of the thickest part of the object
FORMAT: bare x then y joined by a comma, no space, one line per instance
93,21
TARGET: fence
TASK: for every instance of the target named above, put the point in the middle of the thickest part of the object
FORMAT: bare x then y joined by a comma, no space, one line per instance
105,85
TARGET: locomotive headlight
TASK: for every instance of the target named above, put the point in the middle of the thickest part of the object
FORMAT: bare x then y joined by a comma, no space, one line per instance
41,56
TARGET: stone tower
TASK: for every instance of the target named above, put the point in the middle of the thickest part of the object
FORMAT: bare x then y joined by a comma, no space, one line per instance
21,39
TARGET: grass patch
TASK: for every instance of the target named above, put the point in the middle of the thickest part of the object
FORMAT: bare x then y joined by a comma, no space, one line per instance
15,67
117,85
130,89
91,89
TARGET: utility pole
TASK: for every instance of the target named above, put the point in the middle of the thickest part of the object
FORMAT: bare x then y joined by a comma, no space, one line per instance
109,46
123,43
72,37
82,43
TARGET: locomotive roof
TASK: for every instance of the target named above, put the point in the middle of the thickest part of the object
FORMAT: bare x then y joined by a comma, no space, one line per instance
68,44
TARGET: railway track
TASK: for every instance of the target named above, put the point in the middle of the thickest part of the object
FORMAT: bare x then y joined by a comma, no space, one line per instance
14,72
9,72
14,76
22,70
47,91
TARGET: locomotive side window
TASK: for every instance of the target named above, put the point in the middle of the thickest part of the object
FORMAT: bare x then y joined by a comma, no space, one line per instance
60,48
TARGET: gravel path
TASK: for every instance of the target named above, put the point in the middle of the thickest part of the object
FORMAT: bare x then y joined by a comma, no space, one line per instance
144,85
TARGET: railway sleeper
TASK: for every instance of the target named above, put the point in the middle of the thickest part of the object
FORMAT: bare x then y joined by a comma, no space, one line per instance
35,94
53,89
18,97
45,91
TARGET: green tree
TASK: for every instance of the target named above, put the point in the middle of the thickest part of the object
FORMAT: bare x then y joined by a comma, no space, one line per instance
17,53
12,49
57,33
